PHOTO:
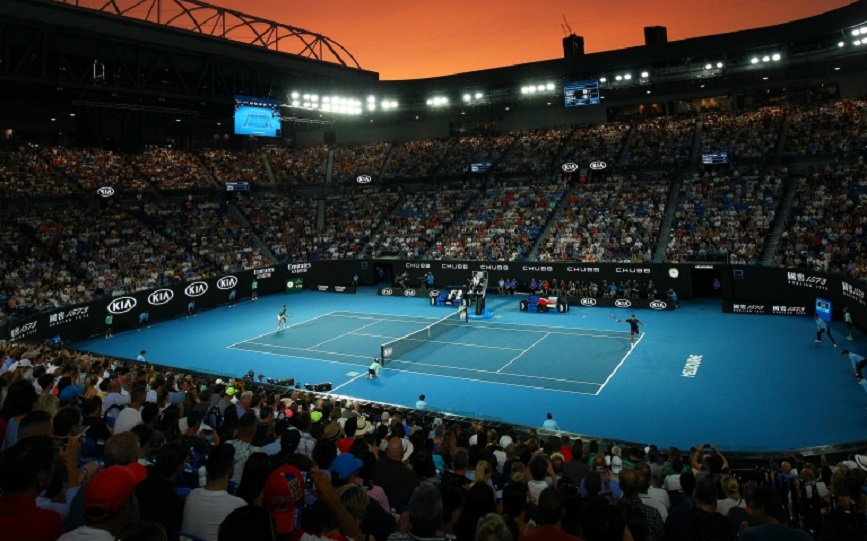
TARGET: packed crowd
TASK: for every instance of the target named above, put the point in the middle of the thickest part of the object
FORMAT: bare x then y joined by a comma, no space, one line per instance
281,222
213,241
534,152
351,217
350,162
615,220
503,224
748,135
26,174
825,231
475,149
661,141
91,169
420,219
236,166
725,214
416,159
95,448
827,129
299,166
596,142
172,170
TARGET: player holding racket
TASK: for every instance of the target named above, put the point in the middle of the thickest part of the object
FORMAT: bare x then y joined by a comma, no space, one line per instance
281,318
633,326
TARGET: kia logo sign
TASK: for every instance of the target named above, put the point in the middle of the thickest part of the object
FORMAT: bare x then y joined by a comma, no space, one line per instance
658,305
409,293
386,291
121,305
160,296
105,191
598,165
196,289
570,167
387,352
227,282
587,301
434,293
622,303
363,179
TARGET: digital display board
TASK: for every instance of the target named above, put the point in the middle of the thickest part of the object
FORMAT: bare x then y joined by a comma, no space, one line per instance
823,309
257,116
720,158
577,93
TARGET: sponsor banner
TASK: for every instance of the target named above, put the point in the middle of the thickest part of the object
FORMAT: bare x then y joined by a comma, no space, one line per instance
403,292
333,289
263,274
121,305
767,309
105,191
853,292
812,281
68,315
598,165
227,282
630,304
196,289
161,297
25,331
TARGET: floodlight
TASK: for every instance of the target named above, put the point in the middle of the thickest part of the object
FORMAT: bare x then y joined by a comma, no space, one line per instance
628,76
295,103
549,86
603,80
326,99
306,97
540,88
467,97
295,94
524,90
371,99
856,42
841,44
776,57
645,74
863,30
478,95
314,97
618,78
326,107
429,101
531,89
766,58
306,105
719,64
855,31
754,60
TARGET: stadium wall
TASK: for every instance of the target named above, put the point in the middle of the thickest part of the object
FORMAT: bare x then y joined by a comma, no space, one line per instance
745,289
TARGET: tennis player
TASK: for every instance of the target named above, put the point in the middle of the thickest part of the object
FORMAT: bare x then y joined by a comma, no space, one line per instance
633,327
281,318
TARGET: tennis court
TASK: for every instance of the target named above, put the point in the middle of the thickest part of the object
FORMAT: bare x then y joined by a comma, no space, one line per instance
579,361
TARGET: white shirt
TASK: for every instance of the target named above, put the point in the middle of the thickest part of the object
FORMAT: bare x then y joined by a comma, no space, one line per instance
205,510
646,499
126,419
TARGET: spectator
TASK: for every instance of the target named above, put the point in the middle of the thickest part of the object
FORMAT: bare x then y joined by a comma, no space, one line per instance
158,500
207,507
242,443
550,510
108,501
394,476
770,516
25,471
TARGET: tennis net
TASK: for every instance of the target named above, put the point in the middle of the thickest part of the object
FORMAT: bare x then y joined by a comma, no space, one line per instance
403,345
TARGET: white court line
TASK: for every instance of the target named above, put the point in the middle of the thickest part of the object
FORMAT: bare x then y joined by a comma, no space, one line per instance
412,372
519,355
462,344
344,384
274,331
503,326
339,336
623,360
410,363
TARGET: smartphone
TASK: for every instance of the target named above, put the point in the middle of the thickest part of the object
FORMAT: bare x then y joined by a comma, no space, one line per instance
308,481
83,431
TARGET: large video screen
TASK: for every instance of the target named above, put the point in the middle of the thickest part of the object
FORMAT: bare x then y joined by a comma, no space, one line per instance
578,93
257,116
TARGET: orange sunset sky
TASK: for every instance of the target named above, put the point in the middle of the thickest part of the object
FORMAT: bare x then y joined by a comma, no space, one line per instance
409,39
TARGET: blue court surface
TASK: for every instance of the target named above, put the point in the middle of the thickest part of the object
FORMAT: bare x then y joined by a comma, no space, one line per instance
744,382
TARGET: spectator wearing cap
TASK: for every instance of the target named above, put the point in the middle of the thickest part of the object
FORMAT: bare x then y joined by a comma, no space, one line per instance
206,507
242,442
25,471
108,502
158,500
394,476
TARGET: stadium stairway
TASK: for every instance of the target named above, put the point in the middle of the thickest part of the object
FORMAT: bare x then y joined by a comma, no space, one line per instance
782,219
781,141
238,216
670,209
271,178
696,141
624,150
